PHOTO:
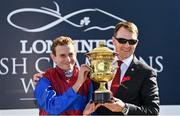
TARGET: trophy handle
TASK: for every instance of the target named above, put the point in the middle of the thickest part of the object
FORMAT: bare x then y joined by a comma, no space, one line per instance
114,67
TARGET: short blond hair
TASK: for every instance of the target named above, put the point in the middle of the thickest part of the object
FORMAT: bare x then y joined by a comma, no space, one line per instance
62,40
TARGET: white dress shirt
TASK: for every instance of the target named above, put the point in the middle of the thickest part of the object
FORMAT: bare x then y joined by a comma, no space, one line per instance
124,67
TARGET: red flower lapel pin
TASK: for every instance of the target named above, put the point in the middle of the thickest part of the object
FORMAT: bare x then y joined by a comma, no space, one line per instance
126,78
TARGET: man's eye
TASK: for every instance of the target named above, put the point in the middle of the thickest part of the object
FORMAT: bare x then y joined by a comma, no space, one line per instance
62,55
70,54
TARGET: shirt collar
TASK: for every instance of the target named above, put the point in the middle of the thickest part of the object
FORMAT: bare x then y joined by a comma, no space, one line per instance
126,61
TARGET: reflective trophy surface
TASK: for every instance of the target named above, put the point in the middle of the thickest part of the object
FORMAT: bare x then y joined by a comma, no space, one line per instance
101,59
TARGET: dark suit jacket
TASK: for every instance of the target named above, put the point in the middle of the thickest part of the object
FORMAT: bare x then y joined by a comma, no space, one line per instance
139,90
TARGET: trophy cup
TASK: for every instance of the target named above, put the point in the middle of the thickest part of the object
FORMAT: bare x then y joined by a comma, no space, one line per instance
101,59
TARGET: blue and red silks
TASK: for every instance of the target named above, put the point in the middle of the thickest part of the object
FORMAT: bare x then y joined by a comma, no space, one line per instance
55,95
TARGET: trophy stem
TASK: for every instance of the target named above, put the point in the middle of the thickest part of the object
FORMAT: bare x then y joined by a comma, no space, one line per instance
102,87
102,95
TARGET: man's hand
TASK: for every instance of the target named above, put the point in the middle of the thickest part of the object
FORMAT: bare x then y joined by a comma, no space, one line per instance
82,76
36,78
90,108
116,106
83,72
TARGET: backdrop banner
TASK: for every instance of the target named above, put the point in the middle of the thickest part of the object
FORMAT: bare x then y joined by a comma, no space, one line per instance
29,26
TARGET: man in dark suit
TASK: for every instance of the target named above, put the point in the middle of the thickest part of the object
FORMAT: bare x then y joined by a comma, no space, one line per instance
137,92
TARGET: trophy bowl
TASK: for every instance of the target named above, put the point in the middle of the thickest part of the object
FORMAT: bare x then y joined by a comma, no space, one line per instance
101,59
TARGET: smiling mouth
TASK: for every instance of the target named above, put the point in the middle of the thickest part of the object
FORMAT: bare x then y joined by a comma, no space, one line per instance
125,50
70,66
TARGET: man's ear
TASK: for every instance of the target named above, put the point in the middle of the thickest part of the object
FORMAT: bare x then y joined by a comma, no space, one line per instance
53,57
113,40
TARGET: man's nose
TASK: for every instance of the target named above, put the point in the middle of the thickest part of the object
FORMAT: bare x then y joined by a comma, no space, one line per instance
127,43
68,59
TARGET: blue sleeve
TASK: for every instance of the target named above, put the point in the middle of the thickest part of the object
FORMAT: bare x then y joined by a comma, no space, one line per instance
90,93
48,99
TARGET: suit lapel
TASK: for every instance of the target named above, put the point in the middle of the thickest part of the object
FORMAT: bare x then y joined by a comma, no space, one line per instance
128,77
130,71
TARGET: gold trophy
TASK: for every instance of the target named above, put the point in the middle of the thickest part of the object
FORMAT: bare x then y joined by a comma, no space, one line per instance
101,59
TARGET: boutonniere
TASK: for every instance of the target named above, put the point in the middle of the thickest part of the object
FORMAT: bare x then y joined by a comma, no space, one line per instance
127,78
